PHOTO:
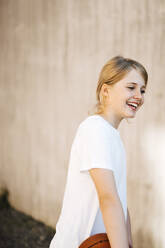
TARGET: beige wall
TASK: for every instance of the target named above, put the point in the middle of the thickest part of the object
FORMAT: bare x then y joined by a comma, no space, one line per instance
51,54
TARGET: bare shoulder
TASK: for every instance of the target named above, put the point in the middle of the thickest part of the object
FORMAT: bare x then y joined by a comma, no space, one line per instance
104,181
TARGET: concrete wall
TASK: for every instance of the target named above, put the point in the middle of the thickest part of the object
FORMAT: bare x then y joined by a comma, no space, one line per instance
51,55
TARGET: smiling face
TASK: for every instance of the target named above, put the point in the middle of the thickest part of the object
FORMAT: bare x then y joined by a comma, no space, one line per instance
125,97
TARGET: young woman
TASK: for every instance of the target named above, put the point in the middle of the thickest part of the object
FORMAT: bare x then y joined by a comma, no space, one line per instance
95,198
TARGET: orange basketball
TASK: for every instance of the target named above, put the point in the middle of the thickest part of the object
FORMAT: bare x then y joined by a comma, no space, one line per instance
99,240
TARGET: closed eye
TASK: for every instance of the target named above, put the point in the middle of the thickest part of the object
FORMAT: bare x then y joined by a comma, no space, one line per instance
132,88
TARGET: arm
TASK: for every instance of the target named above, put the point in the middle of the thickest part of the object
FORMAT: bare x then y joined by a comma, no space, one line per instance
110,207
129,230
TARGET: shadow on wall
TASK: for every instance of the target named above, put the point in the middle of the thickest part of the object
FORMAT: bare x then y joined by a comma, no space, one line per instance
144,240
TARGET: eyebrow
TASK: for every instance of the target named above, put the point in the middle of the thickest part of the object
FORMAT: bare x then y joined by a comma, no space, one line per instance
143,86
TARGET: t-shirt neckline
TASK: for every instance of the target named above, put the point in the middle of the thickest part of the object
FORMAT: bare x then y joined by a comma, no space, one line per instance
107,122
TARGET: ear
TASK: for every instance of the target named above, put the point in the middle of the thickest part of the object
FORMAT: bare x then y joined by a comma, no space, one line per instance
105,89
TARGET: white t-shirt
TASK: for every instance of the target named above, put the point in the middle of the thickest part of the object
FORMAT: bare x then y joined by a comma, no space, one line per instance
97,144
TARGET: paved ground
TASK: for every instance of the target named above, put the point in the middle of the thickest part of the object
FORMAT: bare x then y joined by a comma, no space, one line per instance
18,230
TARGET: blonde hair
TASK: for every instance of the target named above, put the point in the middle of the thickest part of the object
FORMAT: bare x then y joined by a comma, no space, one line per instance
114,70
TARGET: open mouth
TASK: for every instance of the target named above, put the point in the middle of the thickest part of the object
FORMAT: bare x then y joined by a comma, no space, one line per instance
132,106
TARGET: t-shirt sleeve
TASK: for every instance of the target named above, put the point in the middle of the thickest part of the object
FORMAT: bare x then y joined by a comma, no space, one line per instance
97,148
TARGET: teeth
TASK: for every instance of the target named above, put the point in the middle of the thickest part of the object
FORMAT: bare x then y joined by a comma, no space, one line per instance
133,104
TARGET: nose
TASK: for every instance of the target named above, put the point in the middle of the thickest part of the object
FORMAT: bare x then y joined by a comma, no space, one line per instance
138,95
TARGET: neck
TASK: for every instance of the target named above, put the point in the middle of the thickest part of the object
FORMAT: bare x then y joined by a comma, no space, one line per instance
111,118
